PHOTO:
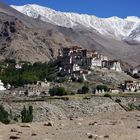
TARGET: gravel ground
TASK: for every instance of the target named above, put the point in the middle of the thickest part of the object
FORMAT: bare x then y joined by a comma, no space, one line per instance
104,126
60,109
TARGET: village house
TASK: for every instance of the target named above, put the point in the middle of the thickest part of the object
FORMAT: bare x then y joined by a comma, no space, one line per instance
77,60
131,86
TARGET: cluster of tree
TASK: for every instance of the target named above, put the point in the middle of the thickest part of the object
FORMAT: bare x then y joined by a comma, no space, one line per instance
4,115
28,74
27,115
78,79
57,91
102,87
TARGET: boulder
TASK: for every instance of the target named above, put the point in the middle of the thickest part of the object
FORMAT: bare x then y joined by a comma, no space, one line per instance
25,125
14,137
33,134
138,126
48,124
92,123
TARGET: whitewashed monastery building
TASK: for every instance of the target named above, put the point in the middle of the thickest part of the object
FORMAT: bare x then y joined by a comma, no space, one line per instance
78,60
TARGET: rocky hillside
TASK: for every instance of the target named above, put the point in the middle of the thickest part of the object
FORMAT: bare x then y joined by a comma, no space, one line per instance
34,40
60,109
57,109
107,77
116,37
23,38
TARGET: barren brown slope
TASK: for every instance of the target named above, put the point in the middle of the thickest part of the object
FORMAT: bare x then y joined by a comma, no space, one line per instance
35,40
111,47
24,38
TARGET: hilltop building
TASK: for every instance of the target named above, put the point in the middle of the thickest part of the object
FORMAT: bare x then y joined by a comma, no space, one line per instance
77,60
73,60
112,65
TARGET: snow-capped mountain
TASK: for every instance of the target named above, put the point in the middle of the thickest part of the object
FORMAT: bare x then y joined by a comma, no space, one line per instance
114,27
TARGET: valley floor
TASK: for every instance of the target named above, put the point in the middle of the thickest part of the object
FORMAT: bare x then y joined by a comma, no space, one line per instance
104,126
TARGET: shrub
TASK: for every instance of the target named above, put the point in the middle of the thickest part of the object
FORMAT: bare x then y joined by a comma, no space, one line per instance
118,100
72,93
102,87
4,115
107,95
15,119
85,89
74,79
10,61
61,80
80,80
131,107
27,115
57,91
79,91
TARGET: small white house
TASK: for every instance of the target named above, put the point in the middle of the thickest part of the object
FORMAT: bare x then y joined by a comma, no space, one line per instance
18,66
2,88
136,70
76,67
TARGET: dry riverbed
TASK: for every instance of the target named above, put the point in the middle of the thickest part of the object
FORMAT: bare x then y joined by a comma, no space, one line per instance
103,126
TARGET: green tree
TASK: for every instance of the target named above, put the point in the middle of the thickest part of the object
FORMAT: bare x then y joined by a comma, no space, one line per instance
23,114
27,115
102,87
57,91
30,114
28,74
85,89
4,115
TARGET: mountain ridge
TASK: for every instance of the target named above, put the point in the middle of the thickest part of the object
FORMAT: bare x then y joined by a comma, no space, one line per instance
114,27
35,40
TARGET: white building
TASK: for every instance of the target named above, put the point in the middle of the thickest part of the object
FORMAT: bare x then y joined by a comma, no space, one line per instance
18,66
76,67
97,61
112,65
116,66
2,88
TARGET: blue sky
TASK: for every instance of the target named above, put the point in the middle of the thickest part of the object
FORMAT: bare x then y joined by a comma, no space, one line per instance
101,8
